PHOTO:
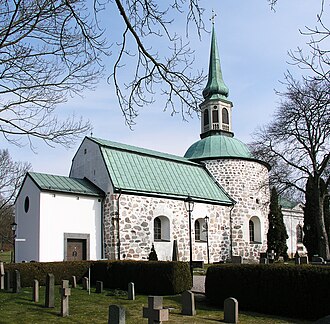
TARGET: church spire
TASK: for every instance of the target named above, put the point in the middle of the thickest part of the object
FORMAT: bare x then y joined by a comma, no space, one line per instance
215,88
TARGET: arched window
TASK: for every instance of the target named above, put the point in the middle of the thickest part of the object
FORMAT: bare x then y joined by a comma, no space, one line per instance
225,116
299,234
200,230
197,230
255,230
206,117
251,230
157,228
161,228
215,115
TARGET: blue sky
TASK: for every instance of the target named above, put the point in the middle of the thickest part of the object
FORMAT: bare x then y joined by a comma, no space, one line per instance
253,43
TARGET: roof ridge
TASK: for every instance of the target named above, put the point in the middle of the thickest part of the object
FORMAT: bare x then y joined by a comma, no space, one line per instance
141,150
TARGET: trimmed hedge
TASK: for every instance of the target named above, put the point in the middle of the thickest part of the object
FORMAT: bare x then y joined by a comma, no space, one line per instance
158,278
286,290
152,277
39,270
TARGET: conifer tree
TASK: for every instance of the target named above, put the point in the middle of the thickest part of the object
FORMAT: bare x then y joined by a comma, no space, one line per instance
277,235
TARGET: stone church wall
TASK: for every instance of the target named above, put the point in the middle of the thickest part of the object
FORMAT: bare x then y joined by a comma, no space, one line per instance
247,182
136,223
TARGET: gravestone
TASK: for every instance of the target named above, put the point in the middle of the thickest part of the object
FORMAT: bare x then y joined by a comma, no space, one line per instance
49,294
116,315
99,287
317,260
7,280
85,283
131,291
271,256
263,261
304,259
237,259
35,291
155,313
231,310
17,282
65,292
74,282
2,276
175,252
188,303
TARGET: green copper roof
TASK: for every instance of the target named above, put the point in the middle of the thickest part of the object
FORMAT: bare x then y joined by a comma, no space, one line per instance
218,146
215,87
141,171
65,184
286,203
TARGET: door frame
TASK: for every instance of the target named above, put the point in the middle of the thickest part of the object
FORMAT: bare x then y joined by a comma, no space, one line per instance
76,236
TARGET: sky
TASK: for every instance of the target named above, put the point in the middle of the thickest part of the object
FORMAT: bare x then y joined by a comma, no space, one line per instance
253,43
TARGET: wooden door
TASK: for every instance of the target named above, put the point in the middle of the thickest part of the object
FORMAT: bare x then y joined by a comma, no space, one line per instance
76,249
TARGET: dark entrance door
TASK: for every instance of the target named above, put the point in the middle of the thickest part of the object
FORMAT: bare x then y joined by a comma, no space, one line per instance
76,250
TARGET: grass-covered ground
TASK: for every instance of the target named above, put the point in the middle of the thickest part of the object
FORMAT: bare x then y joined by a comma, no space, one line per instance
93,308
5,256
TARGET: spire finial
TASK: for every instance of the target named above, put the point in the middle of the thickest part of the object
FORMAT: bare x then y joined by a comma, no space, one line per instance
213,16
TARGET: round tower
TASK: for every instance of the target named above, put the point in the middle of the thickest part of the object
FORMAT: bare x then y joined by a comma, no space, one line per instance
231,163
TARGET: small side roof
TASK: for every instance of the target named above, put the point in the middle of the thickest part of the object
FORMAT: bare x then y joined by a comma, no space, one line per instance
49,182
140,171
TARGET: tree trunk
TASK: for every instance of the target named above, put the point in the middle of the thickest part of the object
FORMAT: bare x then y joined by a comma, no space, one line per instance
323,237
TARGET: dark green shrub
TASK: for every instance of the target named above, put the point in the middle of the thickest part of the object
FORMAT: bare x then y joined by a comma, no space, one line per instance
296,291
154,277
39,270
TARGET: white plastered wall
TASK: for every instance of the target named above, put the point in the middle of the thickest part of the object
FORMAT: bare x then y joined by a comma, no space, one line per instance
68,213
88,163
27,244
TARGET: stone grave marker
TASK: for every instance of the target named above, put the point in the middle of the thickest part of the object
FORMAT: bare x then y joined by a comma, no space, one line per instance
304,259
49,294
231,310
263,261
85,283
99,287
188,303
17,282
317,260
2,276
131,291
65,292
35,291
74,282
7,280
271,256
155,313
237,259
116,315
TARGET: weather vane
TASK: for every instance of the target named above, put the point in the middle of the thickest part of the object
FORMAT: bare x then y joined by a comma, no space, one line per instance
213,16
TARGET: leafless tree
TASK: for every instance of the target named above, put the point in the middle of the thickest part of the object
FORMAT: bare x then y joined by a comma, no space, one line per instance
171,75
316,60
53,49
297,143
11,176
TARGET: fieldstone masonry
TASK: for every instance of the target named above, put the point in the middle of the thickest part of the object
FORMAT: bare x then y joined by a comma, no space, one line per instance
136,215
247,182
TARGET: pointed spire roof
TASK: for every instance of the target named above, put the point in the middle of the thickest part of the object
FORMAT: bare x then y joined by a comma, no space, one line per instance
215,88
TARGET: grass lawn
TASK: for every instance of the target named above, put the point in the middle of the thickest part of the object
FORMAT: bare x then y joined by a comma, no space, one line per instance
5,256
93,308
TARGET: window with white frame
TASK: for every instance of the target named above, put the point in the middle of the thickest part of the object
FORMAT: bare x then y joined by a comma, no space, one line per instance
200,230
161,228
254,230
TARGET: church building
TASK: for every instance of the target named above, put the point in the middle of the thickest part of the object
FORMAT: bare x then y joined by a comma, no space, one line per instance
119,200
